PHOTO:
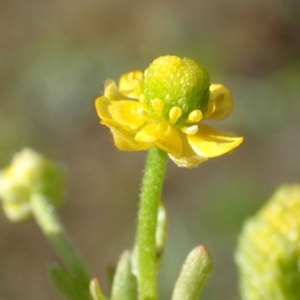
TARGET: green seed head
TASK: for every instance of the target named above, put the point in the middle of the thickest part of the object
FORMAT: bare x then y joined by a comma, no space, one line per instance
177,82
29,173
268,253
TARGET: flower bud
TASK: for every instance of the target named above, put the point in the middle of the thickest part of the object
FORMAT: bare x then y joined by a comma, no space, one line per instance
29,173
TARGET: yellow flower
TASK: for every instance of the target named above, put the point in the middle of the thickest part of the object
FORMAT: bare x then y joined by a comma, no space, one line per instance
165,107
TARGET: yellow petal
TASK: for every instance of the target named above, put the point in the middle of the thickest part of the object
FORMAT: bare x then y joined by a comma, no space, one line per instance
112,92
208,142
163,135
188,162
124,140
220,104
188,159
131,84
125,113
102,103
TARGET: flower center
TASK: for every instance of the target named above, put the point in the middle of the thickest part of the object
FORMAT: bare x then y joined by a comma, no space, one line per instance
176,89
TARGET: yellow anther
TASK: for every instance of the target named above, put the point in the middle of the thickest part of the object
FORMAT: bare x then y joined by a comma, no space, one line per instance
174,114
158,105
195,116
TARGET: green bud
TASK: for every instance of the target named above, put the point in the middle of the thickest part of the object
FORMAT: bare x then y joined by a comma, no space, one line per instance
268,254
29,173
177,82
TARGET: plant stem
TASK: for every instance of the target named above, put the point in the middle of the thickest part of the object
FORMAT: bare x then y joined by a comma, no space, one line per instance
147,219
51,226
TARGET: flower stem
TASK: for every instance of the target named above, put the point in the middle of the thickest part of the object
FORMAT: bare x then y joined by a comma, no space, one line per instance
147,219
48,220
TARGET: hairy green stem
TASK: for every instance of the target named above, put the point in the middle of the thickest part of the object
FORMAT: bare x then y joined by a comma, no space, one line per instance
147,219
51,226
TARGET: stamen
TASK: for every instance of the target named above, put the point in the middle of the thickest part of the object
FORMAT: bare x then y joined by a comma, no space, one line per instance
158,105
195,116
174,114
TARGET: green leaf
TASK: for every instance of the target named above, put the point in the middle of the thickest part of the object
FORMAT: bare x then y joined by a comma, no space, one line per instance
96,291
66,284
124,283
193,275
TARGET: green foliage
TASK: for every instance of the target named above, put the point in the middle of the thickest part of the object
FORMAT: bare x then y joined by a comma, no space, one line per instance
124,283
95,290
66,284
193,275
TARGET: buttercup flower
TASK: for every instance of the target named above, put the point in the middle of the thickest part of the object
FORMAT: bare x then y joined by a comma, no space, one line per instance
165,107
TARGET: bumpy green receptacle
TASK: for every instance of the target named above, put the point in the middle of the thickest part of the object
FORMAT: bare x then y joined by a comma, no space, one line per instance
178,82
268,254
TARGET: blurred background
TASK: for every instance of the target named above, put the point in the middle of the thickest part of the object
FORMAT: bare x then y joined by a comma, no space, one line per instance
54,59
